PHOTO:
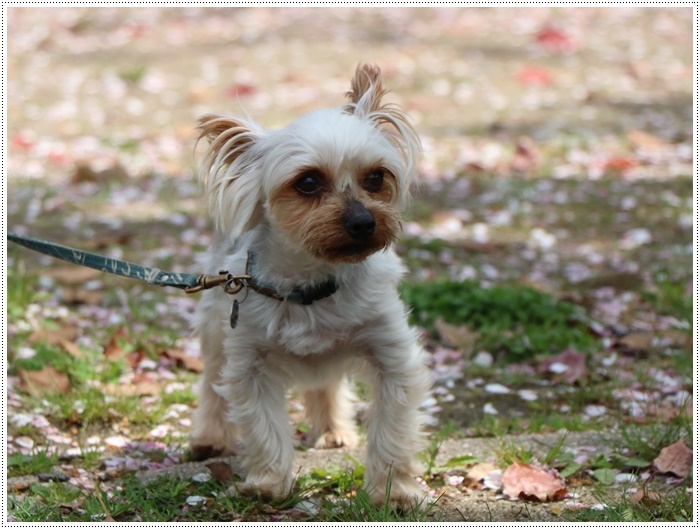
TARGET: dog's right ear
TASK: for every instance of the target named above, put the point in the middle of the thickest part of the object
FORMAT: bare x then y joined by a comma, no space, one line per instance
228,173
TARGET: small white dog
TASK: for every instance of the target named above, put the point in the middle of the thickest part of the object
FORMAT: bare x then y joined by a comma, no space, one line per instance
310,213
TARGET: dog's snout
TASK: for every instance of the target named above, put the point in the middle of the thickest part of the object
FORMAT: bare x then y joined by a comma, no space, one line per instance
358,221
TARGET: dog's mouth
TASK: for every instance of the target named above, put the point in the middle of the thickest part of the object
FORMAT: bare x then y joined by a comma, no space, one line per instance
351,253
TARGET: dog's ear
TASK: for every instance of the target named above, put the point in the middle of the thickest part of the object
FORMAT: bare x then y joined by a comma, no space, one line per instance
366,90
228,173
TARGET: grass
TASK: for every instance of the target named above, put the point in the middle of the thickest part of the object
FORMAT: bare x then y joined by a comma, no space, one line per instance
170,498
670,506
517,321
39,461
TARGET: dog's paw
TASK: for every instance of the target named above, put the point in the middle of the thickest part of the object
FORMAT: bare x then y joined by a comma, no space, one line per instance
337,438
269,487
405,493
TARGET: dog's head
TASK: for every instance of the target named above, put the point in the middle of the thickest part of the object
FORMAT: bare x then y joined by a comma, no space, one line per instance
333,182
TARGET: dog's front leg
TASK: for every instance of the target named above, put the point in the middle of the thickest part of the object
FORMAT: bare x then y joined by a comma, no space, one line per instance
394,438
255,391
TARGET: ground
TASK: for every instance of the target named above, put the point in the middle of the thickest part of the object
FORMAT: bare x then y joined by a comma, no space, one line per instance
549,247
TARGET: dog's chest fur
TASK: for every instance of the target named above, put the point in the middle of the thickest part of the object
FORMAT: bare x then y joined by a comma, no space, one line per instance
331,324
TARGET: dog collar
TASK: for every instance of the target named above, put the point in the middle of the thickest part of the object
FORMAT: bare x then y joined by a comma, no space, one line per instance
303,295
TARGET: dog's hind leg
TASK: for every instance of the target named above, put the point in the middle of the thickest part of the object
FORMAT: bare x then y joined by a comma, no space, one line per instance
331,414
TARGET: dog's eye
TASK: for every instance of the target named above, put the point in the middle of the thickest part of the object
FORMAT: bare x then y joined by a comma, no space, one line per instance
309,183
374,180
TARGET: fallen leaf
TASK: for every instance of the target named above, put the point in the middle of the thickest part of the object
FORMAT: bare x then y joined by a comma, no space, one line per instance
54,336
47,380
675,459
645,497
460,337
114,350
521,480
221,471
570,365
191,363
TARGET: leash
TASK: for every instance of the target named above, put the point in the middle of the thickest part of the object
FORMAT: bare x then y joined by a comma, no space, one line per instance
190,283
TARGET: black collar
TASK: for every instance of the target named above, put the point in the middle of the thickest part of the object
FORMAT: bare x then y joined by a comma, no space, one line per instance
303,295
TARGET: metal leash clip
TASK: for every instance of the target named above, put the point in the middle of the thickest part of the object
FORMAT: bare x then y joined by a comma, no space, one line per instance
230,283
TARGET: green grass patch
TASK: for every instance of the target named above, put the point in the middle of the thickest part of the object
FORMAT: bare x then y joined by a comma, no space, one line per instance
675,505
171,498
671,297
37,462
517,321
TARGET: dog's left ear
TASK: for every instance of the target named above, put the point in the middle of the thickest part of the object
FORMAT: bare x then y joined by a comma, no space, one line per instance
228,173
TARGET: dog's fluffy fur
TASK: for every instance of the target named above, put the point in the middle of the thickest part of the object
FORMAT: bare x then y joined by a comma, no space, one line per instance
319,198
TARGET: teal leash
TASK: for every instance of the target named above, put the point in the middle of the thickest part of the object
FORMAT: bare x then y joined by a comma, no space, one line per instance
190,283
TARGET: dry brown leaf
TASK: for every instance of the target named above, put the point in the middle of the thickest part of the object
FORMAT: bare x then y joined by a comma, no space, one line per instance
460,337
574,362
221,471
644,497
191,363
521,480
47,380
114,350
54,336
675,459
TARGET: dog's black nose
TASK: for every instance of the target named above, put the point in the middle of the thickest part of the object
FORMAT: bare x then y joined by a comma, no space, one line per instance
358,222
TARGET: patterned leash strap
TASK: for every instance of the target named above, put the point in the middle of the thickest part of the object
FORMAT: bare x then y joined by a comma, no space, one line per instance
190,283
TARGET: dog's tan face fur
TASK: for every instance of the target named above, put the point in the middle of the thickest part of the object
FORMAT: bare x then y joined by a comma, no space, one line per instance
313,211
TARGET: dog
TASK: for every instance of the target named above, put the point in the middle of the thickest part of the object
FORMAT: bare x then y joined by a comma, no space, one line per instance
309,214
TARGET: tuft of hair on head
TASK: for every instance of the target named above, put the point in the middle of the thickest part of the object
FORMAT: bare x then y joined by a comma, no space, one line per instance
366,89
365,95
226,172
